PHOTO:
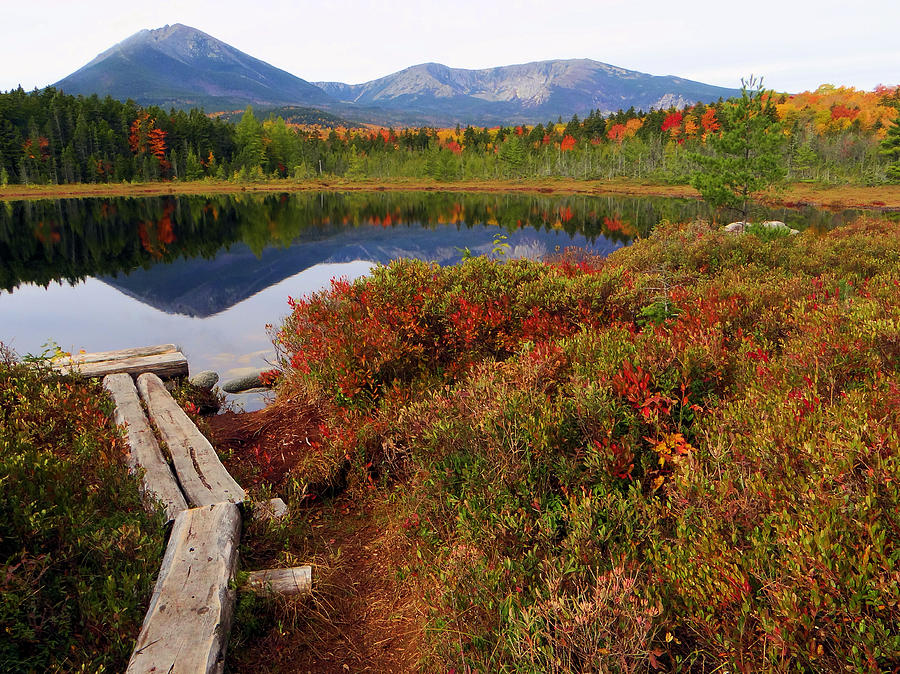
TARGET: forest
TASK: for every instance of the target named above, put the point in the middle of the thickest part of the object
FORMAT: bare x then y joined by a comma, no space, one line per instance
832,135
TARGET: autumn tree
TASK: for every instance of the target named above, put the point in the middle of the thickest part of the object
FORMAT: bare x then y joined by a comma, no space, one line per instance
745,157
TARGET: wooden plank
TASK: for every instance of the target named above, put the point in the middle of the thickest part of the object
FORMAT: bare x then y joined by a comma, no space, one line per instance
293,581
202,476
165,365
157,482
120,354
189,619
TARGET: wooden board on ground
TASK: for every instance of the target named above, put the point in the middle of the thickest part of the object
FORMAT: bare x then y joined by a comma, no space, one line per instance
296,580
189,619
167,365
202,476
157,482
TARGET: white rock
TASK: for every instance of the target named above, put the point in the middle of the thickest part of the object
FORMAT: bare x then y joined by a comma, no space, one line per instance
735,227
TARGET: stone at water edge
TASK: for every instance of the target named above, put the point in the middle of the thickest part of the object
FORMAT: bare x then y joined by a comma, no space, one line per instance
244,383
205,380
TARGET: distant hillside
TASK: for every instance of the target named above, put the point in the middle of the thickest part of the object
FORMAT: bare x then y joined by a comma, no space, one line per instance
293,115
530,92
183,67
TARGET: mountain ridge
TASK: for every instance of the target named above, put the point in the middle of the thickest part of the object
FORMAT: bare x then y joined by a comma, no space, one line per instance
533,90
179,66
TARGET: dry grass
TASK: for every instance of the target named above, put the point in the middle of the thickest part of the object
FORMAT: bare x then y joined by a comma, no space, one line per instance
826,196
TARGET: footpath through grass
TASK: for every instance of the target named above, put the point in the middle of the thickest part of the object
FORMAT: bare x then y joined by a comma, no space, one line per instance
683,458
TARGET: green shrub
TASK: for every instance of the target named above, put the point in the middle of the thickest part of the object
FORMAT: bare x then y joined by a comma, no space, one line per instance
78,554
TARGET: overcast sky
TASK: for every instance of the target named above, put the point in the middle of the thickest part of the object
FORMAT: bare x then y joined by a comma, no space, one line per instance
794,45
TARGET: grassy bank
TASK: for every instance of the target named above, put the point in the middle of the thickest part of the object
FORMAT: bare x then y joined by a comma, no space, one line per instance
682,458
798,194
78,554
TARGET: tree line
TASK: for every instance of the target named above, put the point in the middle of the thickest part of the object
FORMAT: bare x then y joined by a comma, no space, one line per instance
46,136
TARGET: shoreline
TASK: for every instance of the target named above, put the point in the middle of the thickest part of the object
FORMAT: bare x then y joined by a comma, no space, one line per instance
796,195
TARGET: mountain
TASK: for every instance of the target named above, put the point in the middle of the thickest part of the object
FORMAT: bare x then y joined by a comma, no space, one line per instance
179,66
529,92
183,67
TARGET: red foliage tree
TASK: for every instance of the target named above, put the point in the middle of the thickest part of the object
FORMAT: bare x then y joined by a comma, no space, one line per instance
709,121
672,123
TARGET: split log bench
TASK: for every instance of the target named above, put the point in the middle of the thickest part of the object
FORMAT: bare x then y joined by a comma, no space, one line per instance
188,621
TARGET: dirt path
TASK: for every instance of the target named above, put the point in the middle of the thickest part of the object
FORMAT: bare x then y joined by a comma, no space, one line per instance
372,619
367,612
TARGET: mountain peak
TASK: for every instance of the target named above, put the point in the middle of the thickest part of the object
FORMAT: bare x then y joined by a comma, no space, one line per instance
177,65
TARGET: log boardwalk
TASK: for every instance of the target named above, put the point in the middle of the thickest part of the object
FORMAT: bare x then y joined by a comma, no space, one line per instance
164,360
202,476
157,482
187,624
188,621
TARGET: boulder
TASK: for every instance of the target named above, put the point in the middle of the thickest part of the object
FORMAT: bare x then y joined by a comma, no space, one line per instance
244,383
205,380
735,227
778,224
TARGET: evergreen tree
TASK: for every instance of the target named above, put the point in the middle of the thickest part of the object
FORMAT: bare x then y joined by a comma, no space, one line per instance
746,155
248,137
890,148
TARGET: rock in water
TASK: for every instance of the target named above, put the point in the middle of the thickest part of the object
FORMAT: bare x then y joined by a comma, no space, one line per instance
205,380
243,383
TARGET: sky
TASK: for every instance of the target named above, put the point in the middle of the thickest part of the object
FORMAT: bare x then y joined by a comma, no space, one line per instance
794,46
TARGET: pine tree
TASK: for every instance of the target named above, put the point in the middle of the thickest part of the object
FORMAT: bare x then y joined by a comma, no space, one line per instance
746,156
890,148
248,137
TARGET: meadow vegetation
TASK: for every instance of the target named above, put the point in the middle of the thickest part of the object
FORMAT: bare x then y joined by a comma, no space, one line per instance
680,458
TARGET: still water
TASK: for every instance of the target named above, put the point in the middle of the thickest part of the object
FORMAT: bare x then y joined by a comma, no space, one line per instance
210,273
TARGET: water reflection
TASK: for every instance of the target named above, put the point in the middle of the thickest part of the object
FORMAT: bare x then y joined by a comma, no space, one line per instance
72,239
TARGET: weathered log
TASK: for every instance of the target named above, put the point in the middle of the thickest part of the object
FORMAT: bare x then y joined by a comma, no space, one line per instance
189,619
120,354
166,365
202,476
157,482
293,581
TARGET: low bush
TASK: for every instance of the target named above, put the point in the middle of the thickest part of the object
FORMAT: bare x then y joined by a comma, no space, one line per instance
684,457
78,553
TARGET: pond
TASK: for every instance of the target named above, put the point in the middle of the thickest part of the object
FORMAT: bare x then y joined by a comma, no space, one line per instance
210,273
